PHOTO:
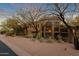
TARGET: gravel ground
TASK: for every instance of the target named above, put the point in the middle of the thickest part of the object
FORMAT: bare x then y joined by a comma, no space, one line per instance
36,48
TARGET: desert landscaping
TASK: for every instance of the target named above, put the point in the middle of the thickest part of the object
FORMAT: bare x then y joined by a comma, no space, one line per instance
27,47
38,29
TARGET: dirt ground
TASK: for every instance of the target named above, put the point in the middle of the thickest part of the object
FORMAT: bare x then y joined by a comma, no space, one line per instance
36,48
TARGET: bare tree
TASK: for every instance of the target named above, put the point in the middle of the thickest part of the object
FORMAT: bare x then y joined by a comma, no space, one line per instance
60,10
30,16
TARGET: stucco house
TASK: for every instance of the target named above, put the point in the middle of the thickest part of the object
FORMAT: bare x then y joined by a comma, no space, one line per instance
52,27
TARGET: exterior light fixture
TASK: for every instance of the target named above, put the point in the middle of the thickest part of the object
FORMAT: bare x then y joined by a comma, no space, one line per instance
49,30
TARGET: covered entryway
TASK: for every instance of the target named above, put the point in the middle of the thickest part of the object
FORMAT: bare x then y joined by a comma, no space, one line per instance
53,29
47,30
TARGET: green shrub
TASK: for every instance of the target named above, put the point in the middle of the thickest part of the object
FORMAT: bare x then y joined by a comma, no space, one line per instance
33,39
41,40
30,35
3,31
39,36
60,41
49,41
10,33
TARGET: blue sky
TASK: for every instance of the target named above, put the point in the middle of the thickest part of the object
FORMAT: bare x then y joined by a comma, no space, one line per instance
6,6
14,6
7,9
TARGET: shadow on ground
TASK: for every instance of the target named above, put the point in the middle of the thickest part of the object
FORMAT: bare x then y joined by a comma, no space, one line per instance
5,50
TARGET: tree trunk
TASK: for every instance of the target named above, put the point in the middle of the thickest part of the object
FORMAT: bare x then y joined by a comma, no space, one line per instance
71,34
38,33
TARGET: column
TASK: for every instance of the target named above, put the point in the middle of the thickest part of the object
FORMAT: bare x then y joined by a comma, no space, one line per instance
53,30
44,31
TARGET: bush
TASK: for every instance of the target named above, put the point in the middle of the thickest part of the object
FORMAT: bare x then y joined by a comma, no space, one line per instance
30,35
39,36
10,33
60,41
3,31
41,40
33,39
49,41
